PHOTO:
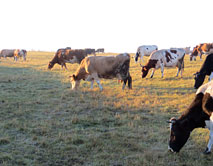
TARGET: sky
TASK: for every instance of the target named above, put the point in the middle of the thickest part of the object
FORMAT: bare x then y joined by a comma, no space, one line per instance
116,25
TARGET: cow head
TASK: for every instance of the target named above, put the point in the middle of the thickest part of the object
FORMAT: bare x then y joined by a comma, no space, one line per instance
178,134
75,83
144,71
50,65
199,79
194,54
192,58
136,56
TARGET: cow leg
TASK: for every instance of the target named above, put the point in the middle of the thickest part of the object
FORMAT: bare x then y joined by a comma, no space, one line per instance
96,78
179,69
65,66
162,69
15,58
99,84
208,149
200,56
141,58
153,71
211,76
129,80
92,82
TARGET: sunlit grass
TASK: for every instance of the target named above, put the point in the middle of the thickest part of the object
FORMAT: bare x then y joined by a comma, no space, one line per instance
44,122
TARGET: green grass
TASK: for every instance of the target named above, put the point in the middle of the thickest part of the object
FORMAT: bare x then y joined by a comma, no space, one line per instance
44,122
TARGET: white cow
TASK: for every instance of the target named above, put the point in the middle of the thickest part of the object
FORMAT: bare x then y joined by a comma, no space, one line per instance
145,50
165,58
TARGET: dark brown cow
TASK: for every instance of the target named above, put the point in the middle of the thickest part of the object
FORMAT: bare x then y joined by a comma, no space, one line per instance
64,56
100,50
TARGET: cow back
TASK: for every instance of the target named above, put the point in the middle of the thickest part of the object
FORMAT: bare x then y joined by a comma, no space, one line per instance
107,66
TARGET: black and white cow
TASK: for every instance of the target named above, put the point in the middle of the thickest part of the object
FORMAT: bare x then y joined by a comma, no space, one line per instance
145,50
199,114
206,69
165,58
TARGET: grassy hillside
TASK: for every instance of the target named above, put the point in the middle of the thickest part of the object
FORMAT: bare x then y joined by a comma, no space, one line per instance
43,122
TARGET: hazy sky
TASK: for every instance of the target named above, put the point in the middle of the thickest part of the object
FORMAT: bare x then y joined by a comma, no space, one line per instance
116,25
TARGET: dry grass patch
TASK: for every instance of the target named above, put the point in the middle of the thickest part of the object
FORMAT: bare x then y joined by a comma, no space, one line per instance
43,122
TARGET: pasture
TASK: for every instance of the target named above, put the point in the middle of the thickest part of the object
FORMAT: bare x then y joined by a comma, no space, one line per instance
43,122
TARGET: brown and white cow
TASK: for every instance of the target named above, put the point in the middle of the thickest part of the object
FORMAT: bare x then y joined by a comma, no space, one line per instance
107,67
165,58
199,50
67,55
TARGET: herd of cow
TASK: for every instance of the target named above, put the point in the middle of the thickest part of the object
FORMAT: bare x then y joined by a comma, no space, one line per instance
93,68
15,53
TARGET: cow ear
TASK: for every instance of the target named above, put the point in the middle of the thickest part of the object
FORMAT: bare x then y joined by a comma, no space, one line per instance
73,76
172,120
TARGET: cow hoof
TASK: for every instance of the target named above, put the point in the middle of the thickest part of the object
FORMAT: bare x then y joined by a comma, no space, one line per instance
207,151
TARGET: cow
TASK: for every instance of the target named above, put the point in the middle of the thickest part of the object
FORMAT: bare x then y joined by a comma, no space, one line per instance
23,53
199,50
20,53
89,51
164,58
63,56
15,53
145,50
7,53
100,50
198,115
187,50
107,67
206,69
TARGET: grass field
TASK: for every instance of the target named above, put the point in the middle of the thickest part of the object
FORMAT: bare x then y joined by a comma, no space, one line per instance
43,122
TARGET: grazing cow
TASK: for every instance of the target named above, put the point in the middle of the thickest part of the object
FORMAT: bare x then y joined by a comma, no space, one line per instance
165,58
206,69
107,67
100,50
145,50
199,114
199,50
64,56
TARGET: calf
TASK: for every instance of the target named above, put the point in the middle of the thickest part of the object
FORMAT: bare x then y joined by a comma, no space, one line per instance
199,114
206,69
165,58
64,56
145,50
108,67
